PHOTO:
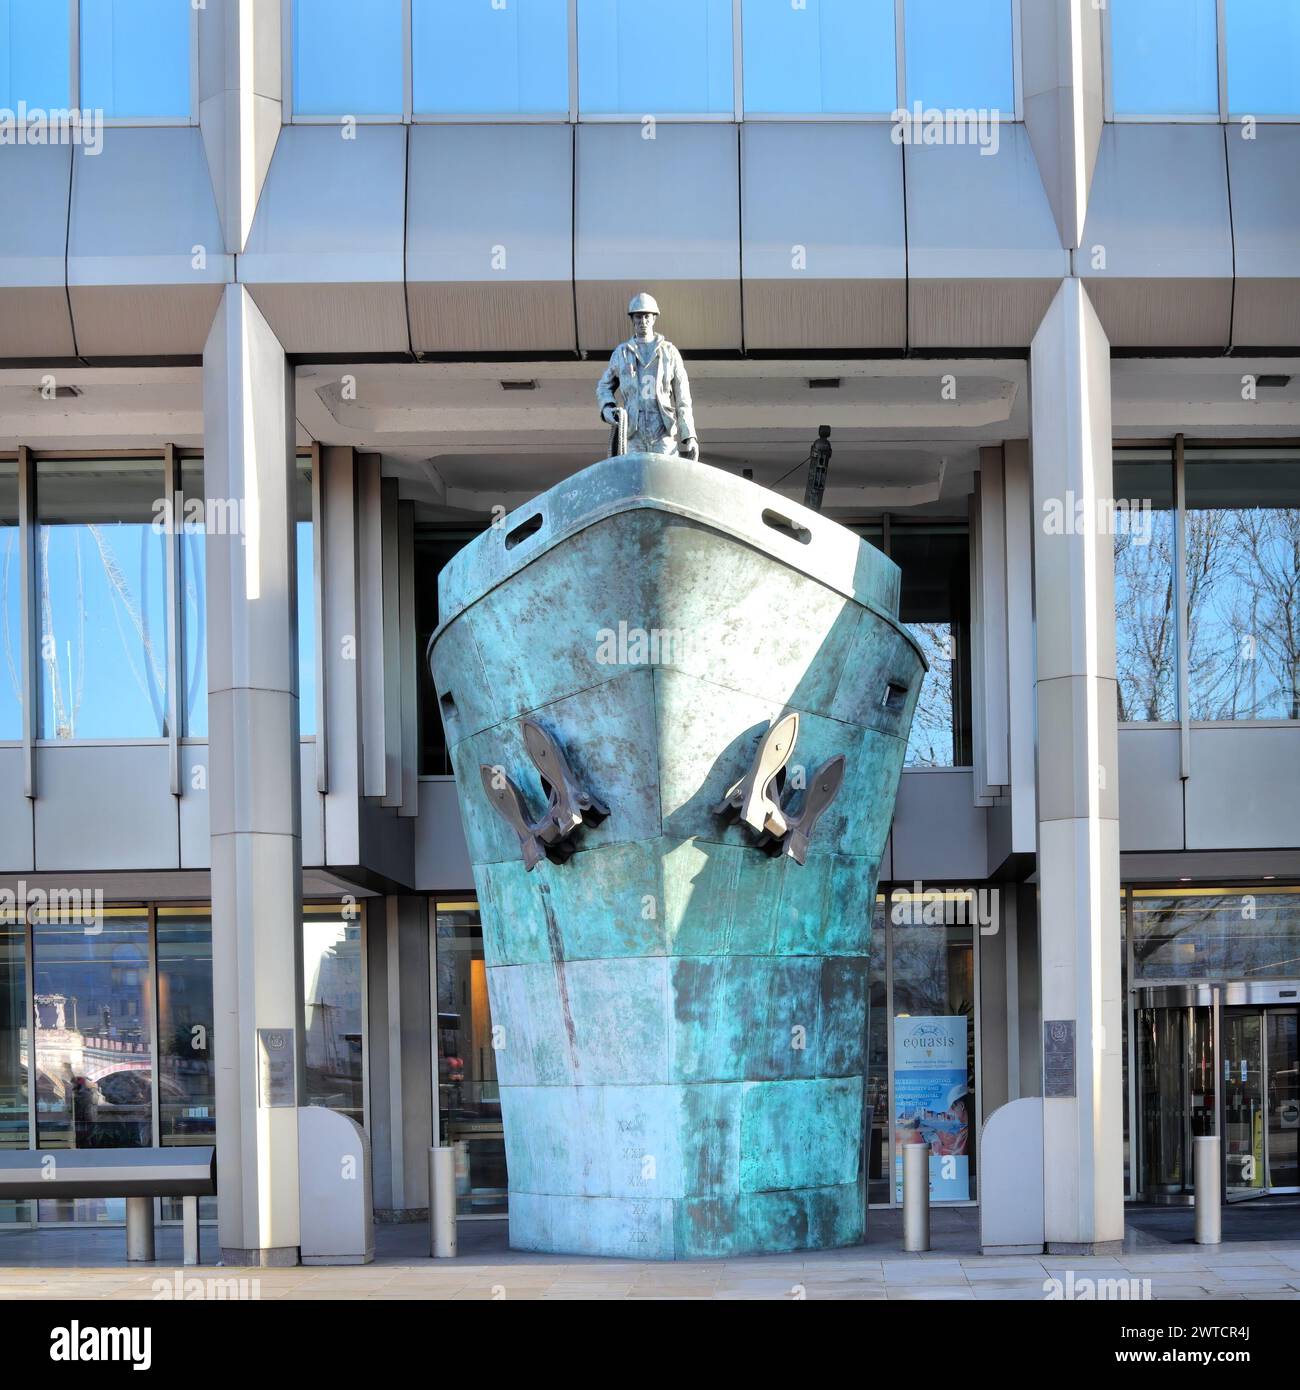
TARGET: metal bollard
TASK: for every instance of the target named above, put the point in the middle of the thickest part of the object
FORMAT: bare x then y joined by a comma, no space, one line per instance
1209,1209
139,1228
442,1202
916,1196
190,1230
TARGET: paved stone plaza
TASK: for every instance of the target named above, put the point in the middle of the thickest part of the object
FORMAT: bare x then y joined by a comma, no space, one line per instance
1259,1259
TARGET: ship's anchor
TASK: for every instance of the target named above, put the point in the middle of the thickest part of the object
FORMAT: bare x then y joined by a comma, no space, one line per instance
756,799
567,806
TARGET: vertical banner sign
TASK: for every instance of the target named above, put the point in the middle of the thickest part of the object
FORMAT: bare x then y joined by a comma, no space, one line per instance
931,1097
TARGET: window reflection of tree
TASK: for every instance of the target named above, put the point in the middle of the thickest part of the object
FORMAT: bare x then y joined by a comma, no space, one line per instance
931,741
1244,613
1146,623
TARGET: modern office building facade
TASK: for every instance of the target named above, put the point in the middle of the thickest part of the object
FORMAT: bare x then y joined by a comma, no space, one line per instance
308,294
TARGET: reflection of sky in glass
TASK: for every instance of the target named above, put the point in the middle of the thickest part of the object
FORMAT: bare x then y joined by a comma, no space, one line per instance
473,58
347,58
1146,615
135,57
103,630
668,56
834,56
1262,39
34,53
1164,57
960,56
930,744
1243,613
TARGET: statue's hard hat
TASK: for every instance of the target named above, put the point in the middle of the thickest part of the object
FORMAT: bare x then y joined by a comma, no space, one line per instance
643,304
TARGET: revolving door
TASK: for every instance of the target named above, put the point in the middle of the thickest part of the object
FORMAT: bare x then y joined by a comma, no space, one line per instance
1217,1059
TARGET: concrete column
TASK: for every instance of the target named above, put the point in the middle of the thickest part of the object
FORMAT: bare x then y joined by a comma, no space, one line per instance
254,788
1078,809
402,1121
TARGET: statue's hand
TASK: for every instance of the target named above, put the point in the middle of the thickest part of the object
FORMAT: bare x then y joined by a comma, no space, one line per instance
609,414
690,449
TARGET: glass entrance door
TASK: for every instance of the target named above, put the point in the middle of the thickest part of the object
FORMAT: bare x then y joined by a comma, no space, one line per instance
1283,1099
1177,1072
1261,1065
1243,1108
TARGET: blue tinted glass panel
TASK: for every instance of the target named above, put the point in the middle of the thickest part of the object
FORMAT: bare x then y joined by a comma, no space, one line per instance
960,55
1146,597
835,56
669,56
11,627
102,587
469,57
1164,57
34,54
135,57
347,58
1243,587
1263,47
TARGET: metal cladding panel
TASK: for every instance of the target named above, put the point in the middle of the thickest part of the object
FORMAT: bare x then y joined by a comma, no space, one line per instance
441,855
146,261
1261,766
682,244
1150,790
325,260
823,236
105,806
15,814
34,317
489,238
1157,246
939,832
984,254
1265,174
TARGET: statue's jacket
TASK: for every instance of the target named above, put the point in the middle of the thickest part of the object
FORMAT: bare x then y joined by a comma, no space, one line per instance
618,386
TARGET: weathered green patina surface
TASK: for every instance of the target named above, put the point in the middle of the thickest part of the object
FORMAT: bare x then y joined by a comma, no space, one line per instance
682,1017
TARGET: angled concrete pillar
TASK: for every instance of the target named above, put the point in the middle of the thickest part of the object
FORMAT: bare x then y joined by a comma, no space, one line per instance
240,108
254,789
1061,66
1078,807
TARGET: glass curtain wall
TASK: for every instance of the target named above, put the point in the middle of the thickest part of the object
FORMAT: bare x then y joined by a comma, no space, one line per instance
673,58
334,1022
102,594
1212,59
469,1099
1238,589
124,1032
306,567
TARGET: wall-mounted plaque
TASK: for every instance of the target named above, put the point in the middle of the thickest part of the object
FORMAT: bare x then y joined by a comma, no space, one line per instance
1058,1057
277,1084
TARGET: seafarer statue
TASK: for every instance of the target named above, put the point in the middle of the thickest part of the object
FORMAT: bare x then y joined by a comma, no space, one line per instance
646,379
